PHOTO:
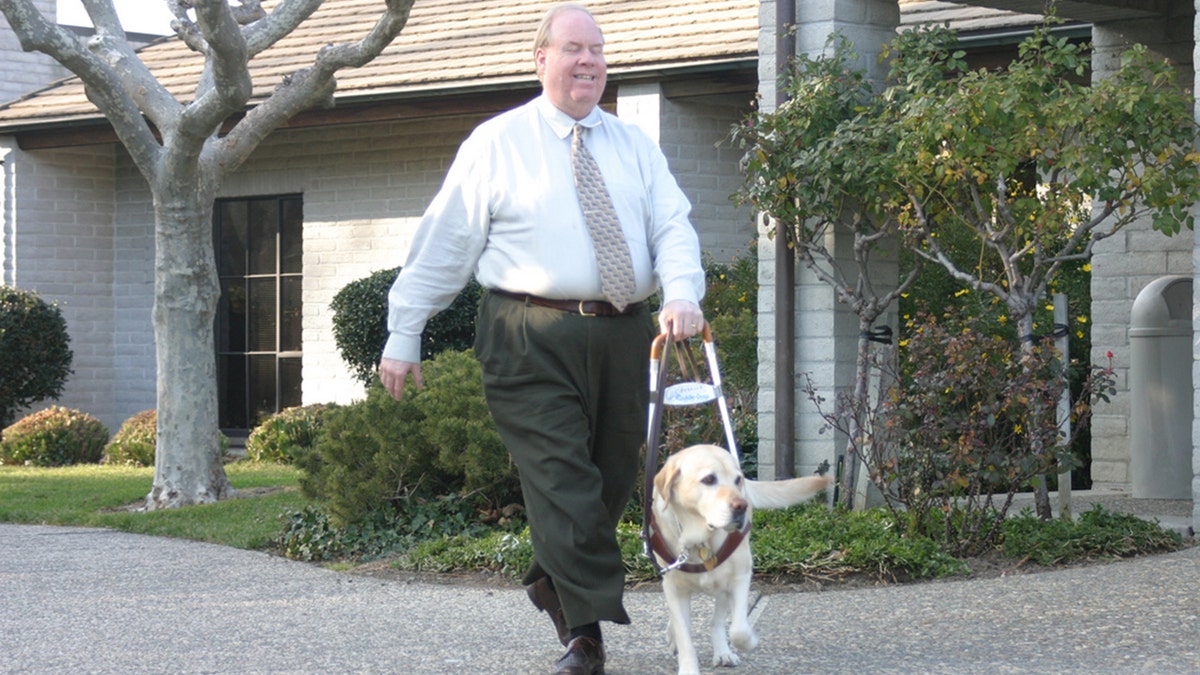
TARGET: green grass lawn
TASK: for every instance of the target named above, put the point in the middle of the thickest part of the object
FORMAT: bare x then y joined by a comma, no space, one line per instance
96,496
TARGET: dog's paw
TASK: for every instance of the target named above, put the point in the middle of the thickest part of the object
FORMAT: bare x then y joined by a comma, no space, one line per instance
745,641
725,658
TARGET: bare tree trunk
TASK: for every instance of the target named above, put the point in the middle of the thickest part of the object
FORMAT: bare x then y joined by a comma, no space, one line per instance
1041,491
184,168
189,467
859,405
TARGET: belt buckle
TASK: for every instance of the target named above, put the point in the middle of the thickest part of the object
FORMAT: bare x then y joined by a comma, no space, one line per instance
583,313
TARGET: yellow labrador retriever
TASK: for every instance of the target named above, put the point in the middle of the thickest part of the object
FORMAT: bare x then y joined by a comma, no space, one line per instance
702,507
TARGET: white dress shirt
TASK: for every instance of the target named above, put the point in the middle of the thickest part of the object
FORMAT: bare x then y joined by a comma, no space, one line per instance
508,212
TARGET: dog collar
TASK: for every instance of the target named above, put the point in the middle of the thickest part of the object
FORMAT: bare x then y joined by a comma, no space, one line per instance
708,562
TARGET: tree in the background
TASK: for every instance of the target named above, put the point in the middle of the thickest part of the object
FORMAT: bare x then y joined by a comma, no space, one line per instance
176,146
1033,161
1025,168
814,167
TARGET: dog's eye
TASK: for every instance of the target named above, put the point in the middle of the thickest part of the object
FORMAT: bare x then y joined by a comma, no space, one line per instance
737,481
710,479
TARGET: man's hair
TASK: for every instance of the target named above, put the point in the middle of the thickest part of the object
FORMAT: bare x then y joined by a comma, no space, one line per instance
543,37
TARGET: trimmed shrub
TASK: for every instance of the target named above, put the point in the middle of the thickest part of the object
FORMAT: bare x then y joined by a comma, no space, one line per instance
35,352
55,436
380,452
134,442
287,435
360,323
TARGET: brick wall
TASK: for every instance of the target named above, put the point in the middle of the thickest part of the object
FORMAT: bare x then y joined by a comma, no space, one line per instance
62,237
133,290
693,132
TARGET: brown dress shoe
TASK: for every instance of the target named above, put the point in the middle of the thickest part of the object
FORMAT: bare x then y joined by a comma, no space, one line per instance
542,595
585,656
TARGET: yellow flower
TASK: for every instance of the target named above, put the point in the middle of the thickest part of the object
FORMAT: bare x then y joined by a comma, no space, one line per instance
1081,319
1050,307
1087,267
1079,334
961,293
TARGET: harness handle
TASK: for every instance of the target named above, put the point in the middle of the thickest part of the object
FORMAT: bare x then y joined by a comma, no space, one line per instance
660,350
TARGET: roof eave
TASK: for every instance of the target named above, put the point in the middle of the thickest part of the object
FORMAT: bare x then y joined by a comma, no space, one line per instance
436,91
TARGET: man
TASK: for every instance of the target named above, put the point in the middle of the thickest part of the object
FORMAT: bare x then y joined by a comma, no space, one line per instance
563,347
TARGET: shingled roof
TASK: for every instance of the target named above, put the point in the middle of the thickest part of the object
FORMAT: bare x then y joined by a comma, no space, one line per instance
452,48
448,46
966,19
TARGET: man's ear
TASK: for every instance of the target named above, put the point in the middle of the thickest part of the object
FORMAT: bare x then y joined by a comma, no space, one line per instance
539,62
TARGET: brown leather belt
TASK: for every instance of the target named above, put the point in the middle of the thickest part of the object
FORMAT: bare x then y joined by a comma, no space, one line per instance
581,307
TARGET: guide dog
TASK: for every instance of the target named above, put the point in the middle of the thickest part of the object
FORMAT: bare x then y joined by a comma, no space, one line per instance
702,507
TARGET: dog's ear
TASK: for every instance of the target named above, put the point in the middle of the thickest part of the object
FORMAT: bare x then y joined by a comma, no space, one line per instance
664,480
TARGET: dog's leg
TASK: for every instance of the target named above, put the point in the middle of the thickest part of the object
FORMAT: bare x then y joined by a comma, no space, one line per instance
722,654
742,632
679,609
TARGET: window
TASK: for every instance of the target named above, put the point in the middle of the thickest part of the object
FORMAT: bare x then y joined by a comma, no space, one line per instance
258,324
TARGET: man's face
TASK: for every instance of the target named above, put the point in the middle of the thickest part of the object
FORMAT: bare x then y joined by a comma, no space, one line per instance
572,67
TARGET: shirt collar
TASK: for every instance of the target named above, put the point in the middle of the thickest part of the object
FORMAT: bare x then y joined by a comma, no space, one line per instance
562,123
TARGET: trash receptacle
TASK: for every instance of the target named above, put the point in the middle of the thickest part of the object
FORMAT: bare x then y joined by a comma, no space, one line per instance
1160,387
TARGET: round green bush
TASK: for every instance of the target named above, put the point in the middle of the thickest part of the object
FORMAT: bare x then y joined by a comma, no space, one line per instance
35,352
288,434
55,436
134,442
360,323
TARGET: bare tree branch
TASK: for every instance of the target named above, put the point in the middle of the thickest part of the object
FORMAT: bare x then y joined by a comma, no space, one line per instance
185,28
247,11
103,86
308,86
284,19
111,45
225,85
104,17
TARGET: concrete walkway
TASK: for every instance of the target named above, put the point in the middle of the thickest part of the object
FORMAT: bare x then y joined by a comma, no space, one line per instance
99,601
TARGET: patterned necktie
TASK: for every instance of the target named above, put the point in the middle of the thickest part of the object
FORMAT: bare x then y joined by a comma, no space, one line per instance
612,253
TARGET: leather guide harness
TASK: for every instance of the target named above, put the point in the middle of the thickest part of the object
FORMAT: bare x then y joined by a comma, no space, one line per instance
652,539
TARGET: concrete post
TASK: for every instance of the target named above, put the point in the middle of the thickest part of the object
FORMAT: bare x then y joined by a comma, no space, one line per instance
826,332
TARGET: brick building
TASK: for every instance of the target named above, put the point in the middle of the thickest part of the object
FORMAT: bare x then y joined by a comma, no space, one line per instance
343,188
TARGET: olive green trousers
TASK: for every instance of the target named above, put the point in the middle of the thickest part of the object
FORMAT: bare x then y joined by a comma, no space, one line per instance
569,395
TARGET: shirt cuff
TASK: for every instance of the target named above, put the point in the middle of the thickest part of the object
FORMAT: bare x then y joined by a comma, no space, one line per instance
680,290
403,348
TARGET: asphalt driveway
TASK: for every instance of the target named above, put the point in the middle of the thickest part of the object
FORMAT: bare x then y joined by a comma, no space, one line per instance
76,600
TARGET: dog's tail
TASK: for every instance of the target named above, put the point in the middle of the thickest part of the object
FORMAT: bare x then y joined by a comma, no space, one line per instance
780,494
